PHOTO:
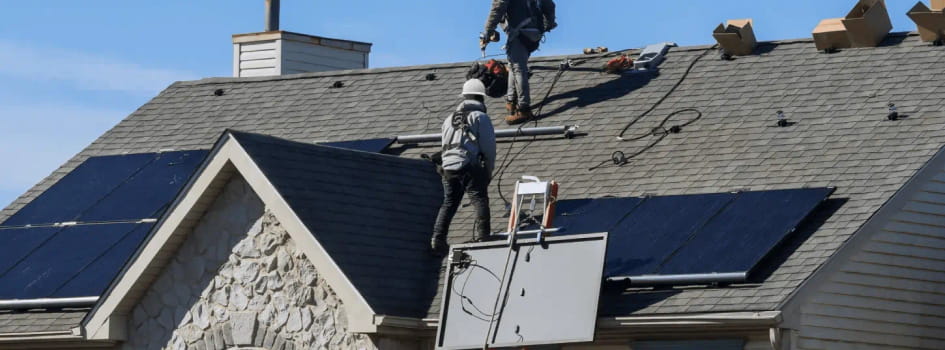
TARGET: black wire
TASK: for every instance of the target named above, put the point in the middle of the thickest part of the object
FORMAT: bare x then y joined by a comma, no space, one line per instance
506,160
668,93
659,131
462,292
618,158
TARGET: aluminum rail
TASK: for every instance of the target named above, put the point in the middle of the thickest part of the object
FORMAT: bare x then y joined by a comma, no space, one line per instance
564,130
680,280
47,303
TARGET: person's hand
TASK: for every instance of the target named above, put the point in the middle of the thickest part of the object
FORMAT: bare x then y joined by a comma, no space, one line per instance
550,26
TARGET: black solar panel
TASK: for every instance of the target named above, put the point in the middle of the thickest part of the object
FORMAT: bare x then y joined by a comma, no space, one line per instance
74,238
745,231
79,190
689,234
370,145
123,187
50,267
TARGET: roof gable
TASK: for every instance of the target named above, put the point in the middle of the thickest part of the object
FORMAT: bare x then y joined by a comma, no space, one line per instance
273,168
372,213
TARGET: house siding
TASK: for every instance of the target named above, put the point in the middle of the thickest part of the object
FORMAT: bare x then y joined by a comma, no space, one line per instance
258,59
890,293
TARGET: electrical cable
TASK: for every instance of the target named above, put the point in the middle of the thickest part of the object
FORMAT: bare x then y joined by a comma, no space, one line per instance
462,292
619,158
668,93
507,161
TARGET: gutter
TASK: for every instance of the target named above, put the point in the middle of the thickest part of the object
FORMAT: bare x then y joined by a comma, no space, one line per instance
740,320
760,319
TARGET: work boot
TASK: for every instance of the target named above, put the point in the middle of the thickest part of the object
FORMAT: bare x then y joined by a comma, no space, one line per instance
523,115
511,107
439,247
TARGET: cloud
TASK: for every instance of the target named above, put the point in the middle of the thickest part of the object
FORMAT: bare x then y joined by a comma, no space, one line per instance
82,70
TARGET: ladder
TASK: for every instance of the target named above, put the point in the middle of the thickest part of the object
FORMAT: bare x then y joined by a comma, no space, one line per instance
532,189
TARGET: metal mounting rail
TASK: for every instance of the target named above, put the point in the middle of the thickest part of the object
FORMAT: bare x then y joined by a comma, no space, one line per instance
47,303
564,130
682,279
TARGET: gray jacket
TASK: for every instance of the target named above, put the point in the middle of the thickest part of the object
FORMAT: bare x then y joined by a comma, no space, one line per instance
480,126
511,13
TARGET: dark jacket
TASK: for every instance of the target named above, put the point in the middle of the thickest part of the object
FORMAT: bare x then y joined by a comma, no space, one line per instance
511,13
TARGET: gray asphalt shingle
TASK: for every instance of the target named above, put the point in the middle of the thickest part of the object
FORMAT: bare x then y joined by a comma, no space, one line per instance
840,138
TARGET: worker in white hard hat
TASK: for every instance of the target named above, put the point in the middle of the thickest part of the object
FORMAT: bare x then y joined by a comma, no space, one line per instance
468,158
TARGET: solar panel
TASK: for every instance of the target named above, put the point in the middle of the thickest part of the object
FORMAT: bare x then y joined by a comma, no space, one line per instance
146,193
370,145
689,234
110,188
74,238
738,237
656,228
79,190
544,277
51,266
20,242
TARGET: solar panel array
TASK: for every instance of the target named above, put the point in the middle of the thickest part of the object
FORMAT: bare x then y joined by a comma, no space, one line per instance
73,239
689,234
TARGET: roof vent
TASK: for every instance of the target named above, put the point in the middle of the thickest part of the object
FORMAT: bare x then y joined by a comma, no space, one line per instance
866,25
277,52
893,112
931,22
736,37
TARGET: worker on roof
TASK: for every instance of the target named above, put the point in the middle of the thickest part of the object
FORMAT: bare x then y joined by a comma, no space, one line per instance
525,23
468,158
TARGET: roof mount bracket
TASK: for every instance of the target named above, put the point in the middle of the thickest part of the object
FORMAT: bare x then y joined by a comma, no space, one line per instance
652,55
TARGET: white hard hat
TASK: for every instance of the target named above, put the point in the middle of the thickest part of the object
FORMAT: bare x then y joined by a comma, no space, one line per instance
474,87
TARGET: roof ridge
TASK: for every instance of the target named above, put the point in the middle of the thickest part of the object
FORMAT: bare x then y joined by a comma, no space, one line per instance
427,67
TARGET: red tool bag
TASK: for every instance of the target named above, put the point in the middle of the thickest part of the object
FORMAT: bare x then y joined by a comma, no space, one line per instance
618,65
493,74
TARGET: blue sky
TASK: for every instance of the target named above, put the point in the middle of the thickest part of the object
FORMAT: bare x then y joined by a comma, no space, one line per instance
70,70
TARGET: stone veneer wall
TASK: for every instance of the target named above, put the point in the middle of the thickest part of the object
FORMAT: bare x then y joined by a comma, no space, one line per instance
239,281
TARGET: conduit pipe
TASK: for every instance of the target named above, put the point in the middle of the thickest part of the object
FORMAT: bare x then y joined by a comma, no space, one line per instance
682,280
47,303
564,130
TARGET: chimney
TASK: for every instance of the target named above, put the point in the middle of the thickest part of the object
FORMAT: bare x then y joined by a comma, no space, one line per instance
278,52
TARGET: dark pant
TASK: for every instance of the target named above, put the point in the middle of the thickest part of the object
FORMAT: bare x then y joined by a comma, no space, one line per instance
475,181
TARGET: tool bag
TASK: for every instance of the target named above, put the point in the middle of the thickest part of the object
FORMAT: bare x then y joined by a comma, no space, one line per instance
493,74
463,146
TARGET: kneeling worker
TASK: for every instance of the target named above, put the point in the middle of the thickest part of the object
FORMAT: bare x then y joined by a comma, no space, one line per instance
468,160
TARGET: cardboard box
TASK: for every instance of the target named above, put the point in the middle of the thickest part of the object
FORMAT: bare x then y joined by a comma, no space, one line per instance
736,37
938,5
831,34
931,22
867,23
